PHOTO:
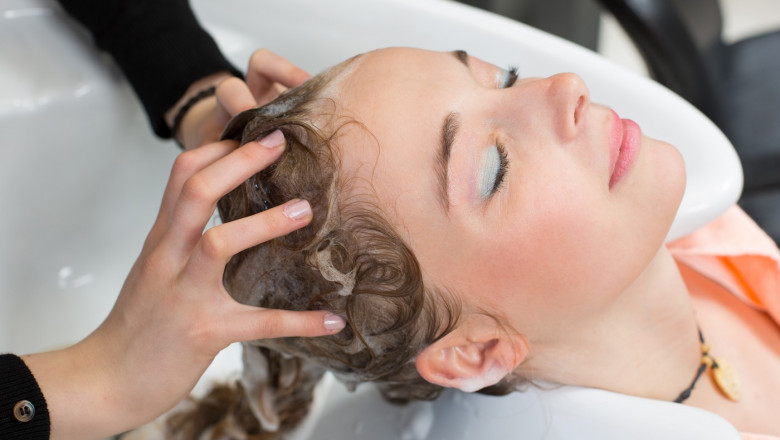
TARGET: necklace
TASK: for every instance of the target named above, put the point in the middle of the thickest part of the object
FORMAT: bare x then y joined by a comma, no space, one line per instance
723,374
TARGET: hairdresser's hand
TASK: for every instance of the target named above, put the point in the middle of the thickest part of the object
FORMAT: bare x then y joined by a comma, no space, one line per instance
267,76
173,314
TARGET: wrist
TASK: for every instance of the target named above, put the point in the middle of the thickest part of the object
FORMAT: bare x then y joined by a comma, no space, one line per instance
193,105
195,100
200,124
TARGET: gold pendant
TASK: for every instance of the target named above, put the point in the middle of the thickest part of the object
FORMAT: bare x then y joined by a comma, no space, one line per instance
727,379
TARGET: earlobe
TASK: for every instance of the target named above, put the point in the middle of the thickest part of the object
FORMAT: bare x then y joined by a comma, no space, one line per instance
471,358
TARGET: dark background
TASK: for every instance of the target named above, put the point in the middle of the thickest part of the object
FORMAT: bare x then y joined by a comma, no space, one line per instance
574,20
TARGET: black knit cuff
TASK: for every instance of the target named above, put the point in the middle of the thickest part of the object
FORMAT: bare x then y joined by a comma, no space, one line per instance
19,392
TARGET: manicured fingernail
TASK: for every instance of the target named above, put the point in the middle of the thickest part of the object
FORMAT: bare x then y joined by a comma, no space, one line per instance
273,140
334,323
297,209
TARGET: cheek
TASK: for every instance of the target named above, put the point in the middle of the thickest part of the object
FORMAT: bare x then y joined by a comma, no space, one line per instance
562,242
568,252
584,246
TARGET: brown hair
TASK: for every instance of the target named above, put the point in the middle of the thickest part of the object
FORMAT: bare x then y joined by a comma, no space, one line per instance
349,260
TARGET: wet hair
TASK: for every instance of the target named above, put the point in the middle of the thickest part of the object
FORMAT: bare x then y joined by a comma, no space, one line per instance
349,260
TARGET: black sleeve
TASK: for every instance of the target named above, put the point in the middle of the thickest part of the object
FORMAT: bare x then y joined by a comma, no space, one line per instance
158,44
18,388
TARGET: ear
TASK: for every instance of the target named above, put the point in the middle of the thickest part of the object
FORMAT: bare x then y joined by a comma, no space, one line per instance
476,354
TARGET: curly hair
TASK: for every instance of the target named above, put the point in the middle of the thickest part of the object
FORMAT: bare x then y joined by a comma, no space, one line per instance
349,260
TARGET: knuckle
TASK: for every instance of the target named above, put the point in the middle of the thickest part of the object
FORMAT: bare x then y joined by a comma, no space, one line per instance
197,189
214,245
279,223
186,163
272,325
260,56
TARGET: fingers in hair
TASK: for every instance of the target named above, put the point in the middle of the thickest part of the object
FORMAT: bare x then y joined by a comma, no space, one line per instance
201,191
185,166
220,243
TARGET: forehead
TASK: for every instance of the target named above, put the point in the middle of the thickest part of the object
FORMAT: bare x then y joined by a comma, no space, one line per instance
400,99
386,81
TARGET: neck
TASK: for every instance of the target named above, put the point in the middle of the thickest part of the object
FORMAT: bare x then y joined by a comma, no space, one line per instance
645,344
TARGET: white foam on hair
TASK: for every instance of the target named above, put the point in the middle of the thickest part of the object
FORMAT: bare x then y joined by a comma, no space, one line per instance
280,107
331,217
322,257
330,273
230,429
255,380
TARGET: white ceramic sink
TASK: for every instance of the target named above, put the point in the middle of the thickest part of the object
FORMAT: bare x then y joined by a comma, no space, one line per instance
81,178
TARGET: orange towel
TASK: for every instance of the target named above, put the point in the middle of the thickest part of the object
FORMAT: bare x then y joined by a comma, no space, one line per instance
735,253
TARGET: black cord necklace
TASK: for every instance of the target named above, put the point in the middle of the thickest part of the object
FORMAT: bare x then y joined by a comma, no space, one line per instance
723,374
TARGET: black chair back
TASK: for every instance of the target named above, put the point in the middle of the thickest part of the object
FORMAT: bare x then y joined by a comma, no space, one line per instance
681,43
736,85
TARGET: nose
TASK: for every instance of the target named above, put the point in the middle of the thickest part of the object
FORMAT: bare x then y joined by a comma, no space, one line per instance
570,98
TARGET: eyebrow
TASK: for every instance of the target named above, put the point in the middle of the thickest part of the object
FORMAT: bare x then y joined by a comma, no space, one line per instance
449,130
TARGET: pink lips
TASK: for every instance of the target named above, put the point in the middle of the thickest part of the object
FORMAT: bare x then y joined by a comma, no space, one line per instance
624,140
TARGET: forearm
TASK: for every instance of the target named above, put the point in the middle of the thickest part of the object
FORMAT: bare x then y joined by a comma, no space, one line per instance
81,401
54,372
102,386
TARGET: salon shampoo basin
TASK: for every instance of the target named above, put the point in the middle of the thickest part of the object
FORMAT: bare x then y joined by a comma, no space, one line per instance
343,28
548,412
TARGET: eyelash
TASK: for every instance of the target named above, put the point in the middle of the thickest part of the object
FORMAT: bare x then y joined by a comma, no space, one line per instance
503,166
511,77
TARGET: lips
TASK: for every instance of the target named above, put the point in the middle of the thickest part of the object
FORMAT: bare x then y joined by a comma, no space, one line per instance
624,140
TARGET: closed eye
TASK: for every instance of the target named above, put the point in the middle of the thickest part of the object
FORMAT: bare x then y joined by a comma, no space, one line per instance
492,170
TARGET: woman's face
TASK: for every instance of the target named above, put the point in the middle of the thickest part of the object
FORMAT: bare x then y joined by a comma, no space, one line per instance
528,202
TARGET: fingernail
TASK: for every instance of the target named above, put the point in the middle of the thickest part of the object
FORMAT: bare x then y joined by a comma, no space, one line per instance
273,140
334,323
297,210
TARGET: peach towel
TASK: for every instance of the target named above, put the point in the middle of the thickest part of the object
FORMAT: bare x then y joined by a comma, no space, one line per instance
735,253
